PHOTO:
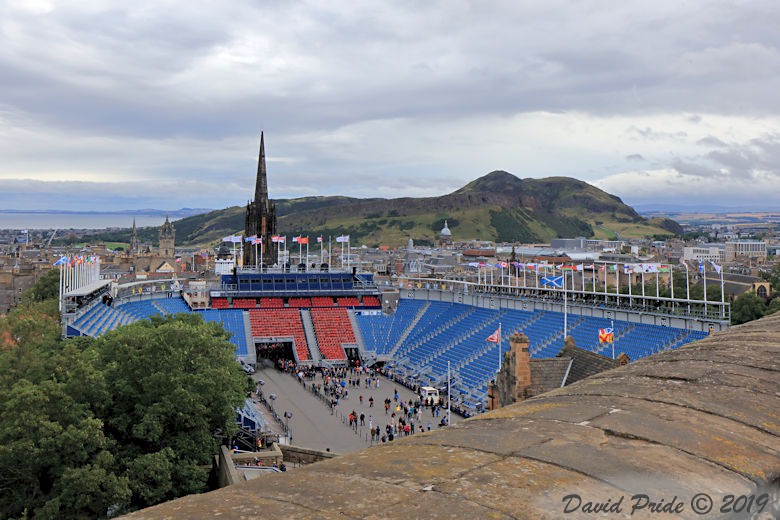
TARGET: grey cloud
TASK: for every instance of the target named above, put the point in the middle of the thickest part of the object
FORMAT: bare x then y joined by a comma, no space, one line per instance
711,141
221,72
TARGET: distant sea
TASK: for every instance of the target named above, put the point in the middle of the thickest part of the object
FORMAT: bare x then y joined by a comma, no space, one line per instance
75,220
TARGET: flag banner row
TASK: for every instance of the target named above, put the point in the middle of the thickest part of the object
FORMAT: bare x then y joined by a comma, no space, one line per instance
625,268
76,260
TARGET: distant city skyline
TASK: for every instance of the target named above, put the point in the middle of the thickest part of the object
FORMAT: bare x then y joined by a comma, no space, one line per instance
122,106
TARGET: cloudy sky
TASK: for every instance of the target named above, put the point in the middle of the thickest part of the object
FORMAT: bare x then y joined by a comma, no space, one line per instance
160,104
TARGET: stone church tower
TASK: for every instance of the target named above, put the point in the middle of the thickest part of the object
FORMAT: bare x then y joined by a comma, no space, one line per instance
167,237
135,246
260,217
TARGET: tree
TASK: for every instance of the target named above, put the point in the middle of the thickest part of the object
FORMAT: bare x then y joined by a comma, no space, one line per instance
747,307
56,460
90,428
46,288
175,386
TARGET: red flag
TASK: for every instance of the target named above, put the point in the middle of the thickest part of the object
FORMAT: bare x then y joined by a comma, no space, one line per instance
495,337
303,240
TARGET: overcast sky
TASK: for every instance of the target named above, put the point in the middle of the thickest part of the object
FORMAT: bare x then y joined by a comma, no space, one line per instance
160,104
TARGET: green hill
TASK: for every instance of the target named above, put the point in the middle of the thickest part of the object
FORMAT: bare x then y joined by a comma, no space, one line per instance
498,206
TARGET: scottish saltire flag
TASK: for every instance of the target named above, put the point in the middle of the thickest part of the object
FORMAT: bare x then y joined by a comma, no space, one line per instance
62,261
606,335
552,281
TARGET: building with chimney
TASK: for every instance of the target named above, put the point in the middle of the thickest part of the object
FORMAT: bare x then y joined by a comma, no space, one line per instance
521,377
260,217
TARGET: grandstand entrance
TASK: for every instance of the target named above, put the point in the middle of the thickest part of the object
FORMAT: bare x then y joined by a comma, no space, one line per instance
274,350
353,356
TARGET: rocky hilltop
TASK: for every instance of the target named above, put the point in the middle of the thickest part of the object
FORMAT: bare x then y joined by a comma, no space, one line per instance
498,206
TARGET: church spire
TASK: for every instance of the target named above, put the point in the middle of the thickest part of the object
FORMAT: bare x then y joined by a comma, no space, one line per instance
134,246
261,184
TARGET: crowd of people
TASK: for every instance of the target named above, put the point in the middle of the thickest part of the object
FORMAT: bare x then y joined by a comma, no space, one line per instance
336,386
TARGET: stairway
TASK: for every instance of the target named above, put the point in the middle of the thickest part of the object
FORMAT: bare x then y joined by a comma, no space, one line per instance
409,329
358,335
311,337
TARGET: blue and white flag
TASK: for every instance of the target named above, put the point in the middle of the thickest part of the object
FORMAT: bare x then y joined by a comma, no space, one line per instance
62,261
552,281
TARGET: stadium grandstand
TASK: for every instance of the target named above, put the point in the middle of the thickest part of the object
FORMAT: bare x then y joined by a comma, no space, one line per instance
335,318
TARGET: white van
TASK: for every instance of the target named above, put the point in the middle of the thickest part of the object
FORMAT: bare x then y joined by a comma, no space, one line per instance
427,393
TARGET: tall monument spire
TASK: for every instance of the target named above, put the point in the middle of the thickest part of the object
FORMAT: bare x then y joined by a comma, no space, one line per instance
134,245
261,217
261,184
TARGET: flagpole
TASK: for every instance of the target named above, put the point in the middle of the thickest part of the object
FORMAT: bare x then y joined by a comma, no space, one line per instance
722,295
449,394
307,254
612,326
565,309
704,272
499,347
687,287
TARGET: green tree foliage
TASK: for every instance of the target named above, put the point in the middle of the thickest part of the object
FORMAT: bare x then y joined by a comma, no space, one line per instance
93,427
56,460
174,385
46,288
747,307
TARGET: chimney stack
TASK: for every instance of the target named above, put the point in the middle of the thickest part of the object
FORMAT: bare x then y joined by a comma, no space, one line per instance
519,345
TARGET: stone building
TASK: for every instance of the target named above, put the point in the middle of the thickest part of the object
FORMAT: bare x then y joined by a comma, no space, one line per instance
261,216
521,377
167,239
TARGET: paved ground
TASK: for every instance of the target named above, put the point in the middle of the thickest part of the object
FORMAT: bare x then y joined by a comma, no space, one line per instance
312,424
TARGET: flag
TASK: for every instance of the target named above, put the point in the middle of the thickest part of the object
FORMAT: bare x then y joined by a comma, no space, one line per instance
701,266
319,239
342,238
303,240
553,281
471,264
495,337
295,240
62,261
606,335
716,267
275,238
251,239
178,260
